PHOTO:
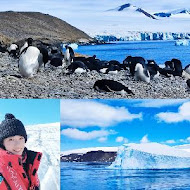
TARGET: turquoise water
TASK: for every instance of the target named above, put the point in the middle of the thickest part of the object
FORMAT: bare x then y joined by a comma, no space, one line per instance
160,51
87,176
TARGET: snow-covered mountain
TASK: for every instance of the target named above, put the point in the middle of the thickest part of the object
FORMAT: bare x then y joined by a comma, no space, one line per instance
185,147
131,22
45,138
130,9
150,156
179,12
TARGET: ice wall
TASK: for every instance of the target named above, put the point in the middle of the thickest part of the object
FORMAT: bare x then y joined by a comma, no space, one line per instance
150,156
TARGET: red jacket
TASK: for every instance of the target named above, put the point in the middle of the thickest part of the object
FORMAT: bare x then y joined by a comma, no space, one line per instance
12,172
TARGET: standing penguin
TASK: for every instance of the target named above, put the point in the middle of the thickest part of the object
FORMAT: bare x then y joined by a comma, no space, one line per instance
69,55
177,67
30,60
142,73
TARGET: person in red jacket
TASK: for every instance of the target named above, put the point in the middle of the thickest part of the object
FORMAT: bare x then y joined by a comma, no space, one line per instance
18,165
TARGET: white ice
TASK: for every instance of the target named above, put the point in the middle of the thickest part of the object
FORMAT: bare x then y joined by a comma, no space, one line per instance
150,156
45,138
182,43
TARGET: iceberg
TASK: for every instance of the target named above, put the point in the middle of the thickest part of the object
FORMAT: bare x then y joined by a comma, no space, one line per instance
182,43
150,156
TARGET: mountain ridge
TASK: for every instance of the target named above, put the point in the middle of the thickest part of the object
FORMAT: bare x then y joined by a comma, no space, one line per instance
174,12
15,26
128,6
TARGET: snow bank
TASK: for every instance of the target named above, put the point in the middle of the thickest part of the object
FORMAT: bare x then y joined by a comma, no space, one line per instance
150,156
45,138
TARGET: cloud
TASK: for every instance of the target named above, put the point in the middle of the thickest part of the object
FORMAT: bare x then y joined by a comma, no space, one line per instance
121,139
187,140
87,113
170,141
144,139
159,103
83,135
183,114
102,139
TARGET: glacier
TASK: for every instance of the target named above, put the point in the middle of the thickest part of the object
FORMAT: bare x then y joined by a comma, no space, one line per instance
143,36
150,156
125,22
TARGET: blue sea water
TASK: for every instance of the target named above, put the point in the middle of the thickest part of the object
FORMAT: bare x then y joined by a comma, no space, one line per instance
90,176
160,51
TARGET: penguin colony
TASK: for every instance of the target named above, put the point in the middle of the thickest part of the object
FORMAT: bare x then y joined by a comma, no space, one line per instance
31,56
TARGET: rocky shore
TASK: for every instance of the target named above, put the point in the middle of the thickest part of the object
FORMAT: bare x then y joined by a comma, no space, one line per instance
54,83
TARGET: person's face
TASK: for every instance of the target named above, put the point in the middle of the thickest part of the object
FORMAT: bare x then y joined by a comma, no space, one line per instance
14,144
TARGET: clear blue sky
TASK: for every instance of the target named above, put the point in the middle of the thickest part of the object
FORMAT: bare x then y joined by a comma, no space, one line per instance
31,111
98,123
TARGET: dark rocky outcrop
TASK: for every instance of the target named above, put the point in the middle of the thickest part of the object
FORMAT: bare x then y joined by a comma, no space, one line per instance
92,156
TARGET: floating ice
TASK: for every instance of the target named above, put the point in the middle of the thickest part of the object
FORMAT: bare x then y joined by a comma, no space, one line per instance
150,156
182,43
74,46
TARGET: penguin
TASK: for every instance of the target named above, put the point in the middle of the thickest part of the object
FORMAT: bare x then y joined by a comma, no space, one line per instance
153,69
111,86
77,67
3,48
113,69
169,65
102,66
13,50
69,55
142,73
177,67
188,84
44,52
187,69
131,63
30,60
27,43
185,74
56,60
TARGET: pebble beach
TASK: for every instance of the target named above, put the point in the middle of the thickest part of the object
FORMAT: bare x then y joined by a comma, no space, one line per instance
52,82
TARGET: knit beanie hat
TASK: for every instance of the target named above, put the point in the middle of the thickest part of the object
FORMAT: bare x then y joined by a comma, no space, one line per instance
11,127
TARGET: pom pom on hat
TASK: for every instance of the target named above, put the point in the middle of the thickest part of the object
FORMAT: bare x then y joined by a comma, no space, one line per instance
9,116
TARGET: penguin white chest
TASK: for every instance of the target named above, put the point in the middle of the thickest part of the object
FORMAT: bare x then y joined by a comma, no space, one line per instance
140,73
67,55
30,61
